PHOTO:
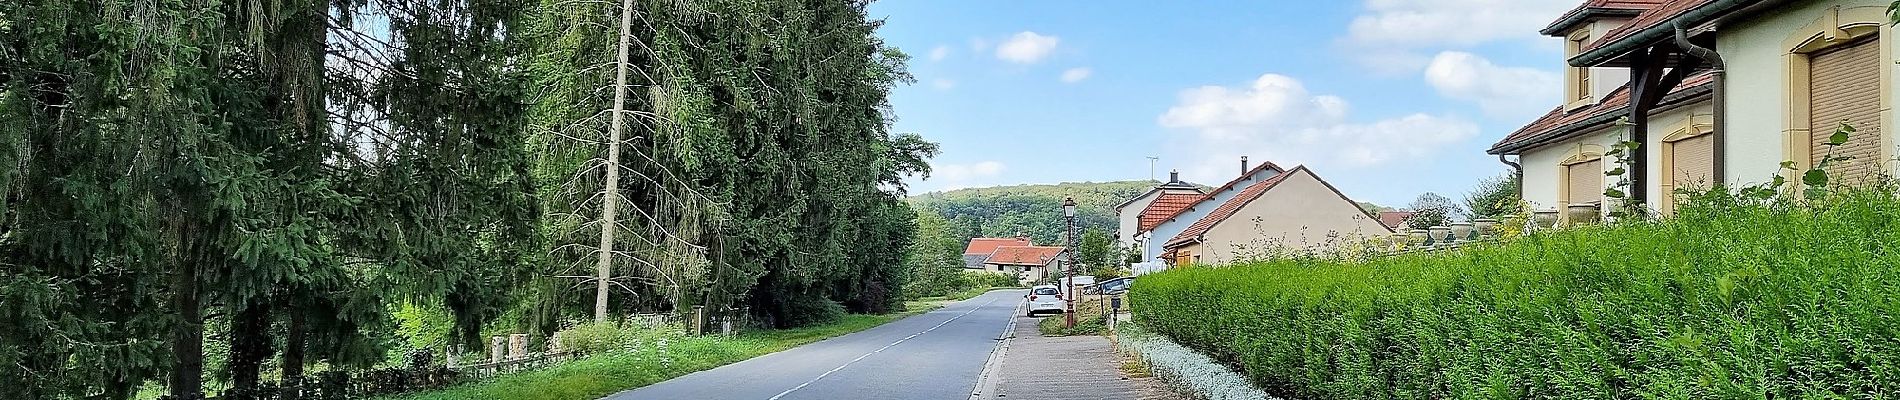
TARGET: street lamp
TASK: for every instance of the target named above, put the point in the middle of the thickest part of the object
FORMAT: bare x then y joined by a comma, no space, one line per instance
1068,213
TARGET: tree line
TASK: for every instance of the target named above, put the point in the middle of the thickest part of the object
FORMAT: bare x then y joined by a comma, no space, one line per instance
213,194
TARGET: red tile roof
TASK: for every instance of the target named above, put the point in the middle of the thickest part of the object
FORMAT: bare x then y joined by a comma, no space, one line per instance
985,246
1240,201
1598,8
1228,209
1024,255
1164,206
1393,219
1558,122
1264,166
1648,19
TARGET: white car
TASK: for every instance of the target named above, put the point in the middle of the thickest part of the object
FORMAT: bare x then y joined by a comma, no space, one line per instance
1045,299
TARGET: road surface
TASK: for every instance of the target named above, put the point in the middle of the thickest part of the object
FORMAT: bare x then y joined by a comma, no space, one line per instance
935,355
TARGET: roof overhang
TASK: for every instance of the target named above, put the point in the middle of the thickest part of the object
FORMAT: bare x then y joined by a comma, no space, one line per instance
1569,21
1586,126
1611,54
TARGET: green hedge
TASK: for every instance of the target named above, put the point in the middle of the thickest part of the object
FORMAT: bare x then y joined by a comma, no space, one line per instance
1732,299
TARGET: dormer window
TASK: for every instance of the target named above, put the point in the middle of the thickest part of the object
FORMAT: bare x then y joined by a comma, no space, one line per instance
1578,92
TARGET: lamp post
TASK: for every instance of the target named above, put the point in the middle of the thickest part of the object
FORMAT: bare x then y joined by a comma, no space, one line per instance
1068,213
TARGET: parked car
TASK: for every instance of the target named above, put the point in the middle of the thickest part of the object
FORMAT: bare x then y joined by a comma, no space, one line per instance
1044,299
1111,286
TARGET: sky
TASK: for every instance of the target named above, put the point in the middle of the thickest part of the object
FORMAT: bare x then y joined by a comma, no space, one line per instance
1385,99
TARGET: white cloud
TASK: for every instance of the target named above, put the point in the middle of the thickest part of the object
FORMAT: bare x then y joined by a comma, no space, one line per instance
957,176
1073,75
1027,47
1503,92
1394,36
1275,118
938,53
943,84
979,45
1421,23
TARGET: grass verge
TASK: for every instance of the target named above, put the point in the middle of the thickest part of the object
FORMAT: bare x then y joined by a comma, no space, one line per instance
604,374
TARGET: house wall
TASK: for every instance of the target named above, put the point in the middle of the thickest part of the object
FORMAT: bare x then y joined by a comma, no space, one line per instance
1299,213
1758,55
1130,216
1152,240
1543,166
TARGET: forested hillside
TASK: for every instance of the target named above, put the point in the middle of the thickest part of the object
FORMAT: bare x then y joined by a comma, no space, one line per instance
1004,211
196,197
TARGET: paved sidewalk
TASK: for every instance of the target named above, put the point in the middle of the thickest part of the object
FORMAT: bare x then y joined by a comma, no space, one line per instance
1071,367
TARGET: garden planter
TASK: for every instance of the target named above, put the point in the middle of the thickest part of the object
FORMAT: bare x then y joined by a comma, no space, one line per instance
1546,218
1419,237
1463,231
1583,214
1486,226
1441,235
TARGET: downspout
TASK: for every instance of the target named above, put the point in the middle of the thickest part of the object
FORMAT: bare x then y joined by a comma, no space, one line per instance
1717,71
1516,170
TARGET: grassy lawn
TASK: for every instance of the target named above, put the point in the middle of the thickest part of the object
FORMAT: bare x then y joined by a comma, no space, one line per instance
605,374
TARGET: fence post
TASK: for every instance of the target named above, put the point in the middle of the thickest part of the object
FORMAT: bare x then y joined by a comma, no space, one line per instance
497,348
699,320
517,345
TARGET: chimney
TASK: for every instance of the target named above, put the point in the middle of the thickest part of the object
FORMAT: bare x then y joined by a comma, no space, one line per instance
1243,165
1174,175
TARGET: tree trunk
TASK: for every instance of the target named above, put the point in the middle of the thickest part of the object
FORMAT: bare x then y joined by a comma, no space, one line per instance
293,352
611,188
188,363
250,344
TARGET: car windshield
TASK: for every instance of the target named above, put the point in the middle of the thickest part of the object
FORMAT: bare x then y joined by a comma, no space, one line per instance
1046,291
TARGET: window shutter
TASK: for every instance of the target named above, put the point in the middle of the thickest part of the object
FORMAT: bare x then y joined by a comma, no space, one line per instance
1694,165
1586,182
1843,85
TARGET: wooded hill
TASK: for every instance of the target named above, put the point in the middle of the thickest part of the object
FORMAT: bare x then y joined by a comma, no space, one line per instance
1004,211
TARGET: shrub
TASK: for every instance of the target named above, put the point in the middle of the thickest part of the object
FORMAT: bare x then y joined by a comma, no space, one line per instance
1733,298
1181,368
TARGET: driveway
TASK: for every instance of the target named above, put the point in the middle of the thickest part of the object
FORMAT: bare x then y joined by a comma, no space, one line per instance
935,355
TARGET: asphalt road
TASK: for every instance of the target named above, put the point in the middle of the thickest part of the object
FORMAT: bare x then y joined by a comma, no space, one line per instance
935,355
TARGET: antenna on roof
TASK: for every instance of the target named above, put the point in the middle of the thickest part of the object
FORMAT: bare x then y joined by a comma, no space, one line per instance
1151,166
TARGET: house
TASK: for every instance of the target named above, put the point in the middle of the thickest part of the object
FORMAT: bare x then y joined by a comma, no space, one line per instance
1169,219
1295,210
1029,263
1713,91
1394,219
980,249
1143,211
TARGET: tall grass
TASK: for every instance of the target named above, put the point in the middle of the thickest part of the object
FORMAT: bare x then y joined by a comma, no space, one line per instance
1733,298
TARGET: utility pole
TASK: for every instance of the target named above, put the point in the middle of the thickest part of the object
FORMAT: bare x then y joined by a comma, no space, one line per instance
611,191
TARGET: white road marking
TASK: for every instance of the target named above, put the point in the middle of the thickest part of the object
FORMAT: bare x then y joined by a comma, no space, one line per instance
861,358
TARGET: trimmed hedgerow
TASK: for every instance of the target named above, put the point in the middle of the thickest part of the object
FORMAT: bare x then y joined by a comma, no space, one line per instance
1733,298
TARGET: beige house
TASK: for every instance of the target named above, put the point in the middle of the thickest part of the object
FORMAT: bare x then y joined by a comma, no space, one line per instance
1714,91
1292,211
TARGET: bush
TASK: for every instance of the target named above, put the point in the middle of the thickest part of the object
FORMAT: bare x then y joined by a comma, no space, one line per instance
1183,369
1733,298
605,337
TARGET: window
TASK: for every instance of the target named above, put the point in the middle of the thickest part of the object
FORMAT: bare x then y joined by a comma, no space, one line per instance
1583,182
1578,92
1843,87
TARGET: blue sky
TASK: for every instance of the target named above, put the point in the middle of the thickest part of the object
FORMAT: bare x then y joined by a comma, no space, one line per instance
1386,99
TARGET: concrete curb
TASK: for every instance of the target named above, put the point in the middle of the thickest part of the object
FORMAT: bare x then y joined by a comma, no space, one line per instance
986,381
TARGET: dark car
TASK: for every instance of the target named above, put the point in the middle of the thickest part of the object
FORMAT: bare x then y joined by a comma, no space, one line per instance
1111,286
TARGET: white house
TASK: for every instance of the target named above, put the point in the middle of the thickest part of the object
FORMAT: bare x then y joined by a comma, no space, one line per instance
1171,195
1715,91
1166,225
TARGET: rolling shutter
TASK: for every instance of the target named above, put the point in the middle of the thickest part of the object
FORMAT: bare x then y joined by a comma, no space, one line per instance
1694,162
1844,85
1586,182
